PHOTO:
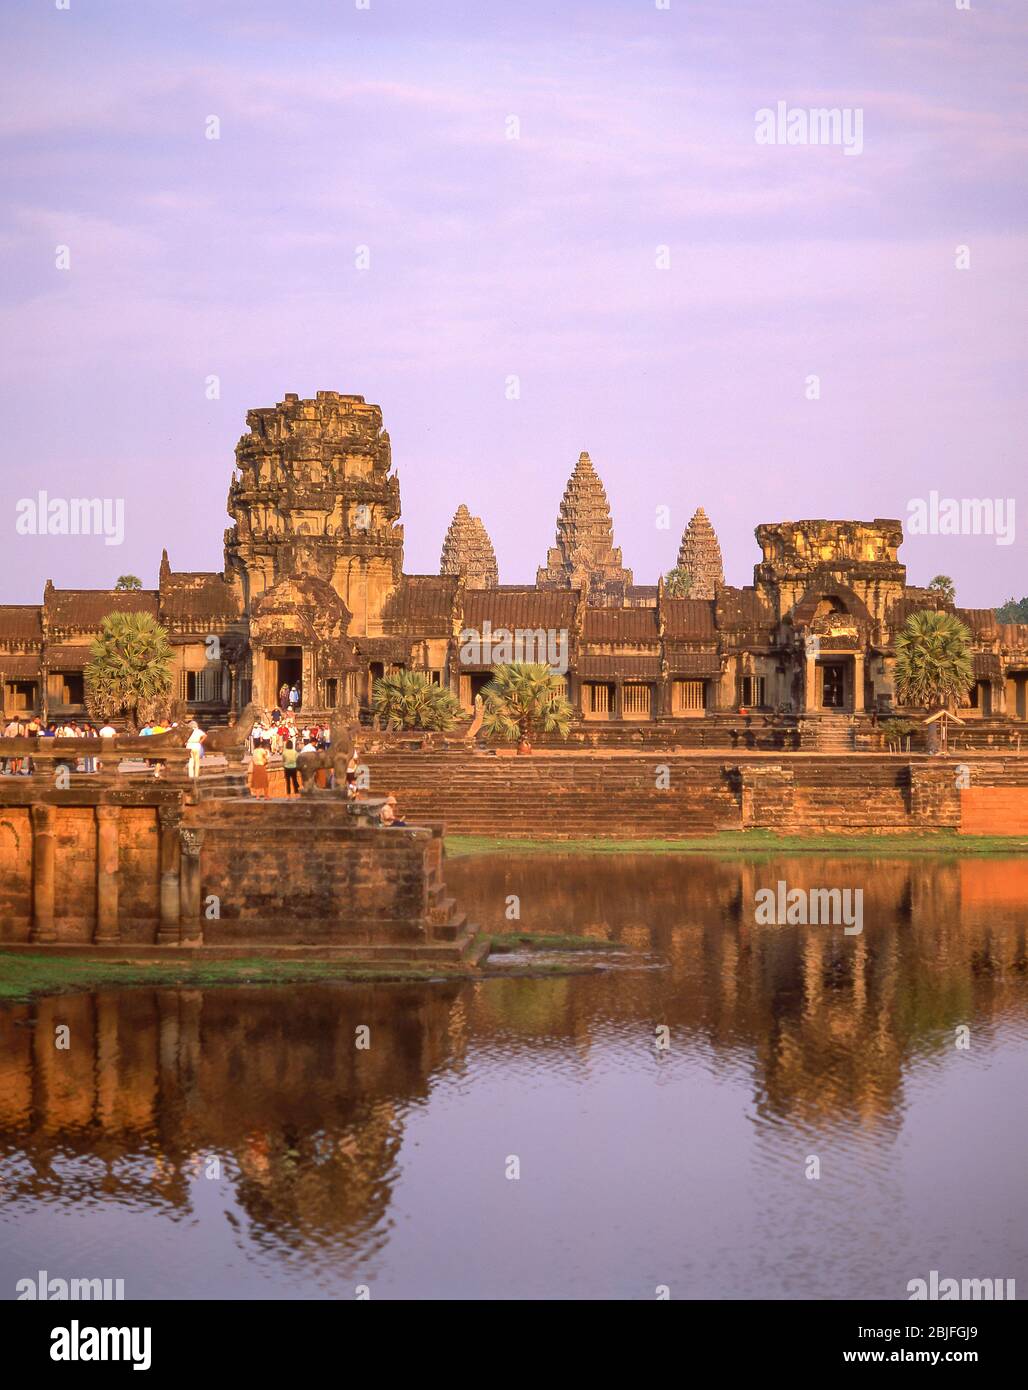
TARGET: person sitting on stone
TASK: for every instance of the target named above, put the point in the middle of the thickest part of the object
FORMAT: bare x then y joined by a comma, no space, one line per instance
388,815
306,762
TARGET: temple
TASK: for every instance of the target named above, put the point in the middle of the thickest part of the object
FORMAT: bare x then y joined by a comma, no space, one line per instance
313,592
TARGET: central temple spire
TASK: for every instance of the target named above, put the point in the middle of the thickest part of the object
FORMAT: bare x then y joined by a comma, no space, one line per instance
585,556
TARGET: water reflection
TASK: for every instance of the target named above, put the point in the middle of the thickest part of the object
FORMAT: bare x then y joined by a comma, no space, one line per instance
339,1163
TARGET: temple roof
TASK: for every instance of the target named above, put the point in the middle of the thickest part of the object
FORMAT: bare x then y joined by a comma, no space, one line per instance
468,551
513,606
700,556
620,625
422,598
87,608
21,622
689,618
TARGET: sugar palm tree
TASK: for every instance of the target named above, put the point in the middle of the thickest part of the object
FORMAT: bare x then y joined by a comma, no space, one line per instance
129,671
933,660
409,700
525,698
944,587
129,581
677,583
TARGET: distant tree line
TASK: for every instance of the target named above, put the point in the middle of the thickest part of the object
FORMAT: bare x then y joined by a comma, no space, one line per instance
1013,611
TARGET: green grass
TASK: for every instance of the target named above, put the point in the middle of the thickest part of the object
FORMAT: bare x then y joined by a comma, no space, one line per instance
22,976
747,842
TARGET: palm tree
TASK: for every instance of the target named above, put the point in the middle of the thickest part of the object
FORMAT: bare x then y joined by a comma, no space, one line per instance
933,660
129,671
524,698
944,586
409,700
129,581
677,583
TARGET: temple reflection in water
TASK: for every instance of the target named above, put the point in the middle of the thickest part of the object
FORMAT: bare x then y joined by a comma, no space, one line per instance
308,1128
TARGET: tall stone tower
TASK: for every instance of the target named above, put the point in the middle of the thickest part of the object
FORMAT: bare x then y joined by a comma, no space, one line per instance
585,556
468,551
700,556
314,496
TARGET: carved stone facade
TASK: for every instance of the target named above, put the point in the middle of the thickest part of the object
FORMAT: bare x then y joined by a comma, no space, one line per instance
313,594
585,557
700,557
468,551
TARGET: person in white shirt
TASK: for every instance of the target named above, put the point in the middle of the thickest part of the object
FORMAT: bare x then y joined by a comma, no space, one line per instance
195,743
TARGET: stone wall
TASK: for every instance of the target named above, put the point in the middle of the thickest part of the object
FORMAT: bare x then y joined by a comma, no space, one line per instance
115,863
655,795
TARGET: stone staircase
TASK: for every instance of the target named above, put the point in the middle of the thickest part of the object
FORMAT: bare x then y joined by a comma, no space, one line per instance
558,797
828,733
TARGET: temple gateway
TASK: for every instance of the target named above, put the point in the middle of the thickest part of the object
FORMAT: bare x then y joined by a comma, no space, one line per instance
313,593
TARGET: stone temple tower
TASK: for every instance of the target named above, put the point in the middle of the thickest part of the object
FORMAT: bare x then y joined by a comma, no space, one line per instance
585,556
468,551
313,496
700,556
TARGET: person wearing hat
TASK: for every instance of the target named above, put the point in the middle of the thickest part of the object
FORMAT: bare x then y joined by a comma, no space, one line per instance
388,815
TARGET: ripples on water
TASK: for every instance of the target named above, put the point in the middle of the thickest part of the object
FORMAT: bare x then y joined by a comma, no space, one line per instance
235,1143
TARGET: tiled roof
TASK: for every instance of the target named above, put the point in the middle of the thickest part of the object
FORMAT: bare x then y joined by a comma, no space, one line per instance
68,656
1013,634
688,617
742,608
986,665
21,622
513,607
384,648
21,667
694,663
620,625
87,608
609,667
197,595
981,621
422,598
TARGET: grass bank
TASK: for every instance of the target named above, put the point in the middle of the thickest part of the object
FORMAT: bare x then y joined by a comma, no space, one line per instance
22,976
749,842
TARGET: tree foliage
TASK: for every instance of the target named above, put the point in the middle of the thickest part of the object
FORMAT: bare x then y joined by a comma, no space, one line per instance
933,660
677,583
525,698
1013,611
129,671
409,700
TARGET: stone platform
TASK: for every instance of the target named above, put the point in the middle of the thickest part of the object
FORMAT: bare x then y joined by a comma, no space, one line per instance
136,867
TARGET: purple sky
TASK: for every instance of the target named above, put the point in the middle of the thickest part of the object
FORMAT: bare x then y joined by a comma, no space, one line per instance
533,257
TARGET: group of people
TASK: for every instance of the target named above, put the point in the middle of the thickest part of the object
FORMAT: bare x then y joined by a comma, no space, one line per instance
33,728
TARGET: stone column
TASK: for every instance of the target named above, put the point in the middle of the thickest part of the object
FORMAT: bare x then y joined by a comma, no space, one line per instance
619,704
107,927
170,818
858,683
810,687
44,819
190,923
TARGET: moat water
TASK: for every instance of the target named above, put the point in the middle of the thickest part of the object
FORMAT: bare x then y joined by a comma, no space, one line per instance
235,1142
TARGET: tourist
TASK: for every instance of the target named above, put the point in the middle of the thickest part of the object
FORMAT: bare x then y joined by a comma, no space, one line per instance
307,763
294,698
257,778
289,756
388,816
351,774
194,745
283,696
